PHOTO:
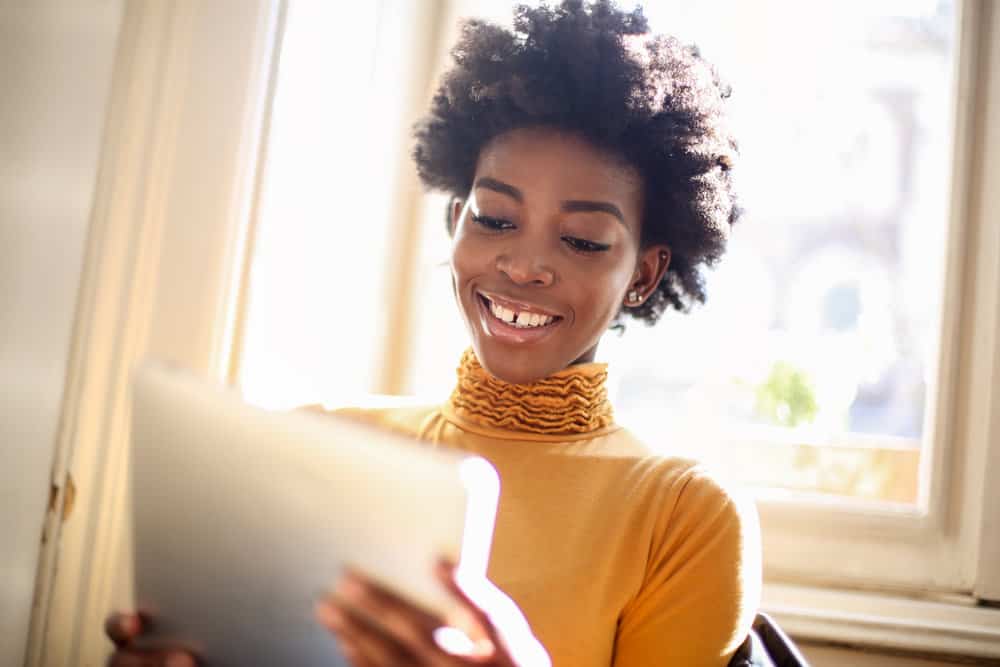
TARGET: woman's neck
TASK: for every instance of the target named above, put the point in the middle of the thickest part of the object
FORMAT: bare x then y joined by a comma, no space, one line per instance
572,401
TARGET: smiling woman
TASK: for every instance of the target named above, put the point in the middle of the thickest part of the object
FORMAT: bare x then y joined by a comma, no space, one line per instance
551,229
588,168
589,174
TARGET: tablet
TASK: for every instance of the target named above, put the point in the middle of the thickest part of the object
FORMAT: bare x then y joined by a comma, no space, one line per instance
244,518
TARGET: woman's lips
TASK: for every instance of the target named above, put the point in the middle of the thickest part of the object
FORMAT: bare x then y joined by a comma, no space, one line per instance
501,330
515,305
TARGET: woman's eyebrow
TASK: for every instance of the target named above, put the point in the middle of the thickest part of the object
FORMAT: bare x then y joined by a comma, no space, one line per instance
569,206
499,186
579,206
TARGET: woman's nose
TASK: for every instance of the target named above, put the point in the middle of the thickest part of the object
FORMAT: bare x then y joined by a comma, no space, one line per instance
525,269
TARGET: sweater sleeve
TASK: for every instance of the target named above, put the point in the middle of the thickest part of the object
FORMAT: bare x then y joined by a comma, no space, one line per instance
702,584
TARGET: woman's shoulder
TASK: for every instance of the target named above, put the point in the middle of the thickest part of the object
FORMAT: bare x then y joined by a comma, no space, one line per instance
672,465
684,486
659,465
694,489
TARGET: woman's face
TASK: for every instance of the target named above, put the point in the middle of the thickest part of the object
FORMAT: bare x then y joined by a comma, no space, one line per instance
545,248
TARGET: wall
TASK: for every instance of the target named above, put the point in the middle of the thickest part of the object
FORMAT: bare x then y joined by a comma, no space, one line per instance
55,64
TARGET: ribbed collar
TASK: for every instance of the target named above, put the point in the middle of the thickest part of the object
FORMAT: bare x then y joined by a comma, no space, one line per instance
572,402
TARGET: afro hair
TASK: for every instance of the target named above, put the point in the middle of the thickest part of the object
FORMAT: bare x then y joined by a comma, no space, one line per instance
595,70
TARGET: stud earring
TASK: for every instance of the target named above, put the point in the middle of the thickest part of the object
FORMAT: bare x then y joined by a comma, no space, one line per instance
633,297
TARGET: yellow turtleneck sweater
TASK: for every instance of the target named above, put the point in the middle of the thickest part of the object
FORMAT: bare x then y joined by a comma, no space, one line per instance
615,556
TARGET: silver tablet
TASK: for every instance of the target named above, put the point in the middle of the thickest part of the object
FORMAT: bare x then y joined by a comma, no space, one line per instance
243,518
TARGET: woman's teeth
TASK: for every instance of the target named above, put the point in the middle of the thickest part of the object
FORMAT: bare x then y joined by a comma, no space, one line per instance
519,319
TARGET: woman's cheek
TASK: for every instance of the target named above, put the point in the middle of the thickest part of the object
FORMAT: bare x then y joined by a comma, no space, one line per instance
612,283
466,258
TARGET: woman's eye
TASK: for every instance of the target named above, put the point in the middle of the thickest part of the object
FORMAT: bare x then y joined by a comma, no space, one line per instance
584,245
495,224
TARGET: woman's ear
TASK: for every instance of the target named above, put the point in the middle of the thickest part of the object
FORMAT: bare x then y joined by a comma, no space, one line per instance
649,270
452,213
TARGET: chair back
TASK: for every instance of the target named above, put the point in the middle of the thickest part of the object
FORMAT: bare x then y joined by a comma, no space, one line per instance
767,646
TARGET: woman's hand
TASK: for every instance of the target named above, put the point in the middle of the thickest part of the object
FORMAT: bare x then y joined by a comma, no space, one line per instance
122,629
495,631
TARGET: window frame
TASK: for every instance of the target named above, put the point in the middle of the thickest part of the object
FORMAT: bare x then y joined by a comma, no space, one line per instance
820,540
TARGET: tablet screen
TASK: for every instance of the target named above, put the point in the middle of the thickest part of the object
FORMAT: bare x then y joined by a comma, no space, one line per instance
243,518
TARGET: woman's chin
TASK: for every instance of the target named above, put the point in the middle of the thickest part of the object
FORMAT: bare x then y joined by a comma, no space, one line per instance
514,366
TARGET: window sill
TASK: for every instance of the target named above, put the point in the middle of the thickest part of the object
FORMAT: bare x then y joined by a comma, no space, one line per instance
955,626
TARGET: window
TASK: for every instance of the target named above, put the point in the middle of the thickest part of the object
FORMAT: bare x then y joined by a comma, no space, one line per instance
320,237
813,360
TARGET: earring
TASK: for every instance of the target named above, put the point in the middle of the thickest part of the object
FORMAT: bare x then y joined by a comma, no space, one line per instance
633,297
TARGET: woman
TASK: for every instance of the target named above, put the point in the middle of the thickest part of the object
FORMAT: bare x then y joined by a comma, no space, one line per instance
590,173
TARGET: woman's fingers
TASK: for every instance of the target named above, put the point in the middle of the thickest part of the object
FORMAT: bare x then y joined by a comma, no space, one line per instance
482,623
121,628
378,627
508,639
126,658
409,624
362,644
445,572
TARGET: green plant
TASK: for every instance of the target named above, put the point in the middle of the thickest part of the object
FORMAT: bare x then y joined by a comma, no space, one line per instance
786,397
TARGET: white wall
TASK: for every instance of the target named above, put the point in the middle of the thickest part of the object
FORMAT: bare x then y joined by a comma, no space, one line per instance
55,67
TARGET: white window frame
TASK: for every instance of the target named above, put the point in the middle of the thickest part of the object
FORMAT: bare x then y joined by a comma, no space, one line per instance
934,547
166,271
912,579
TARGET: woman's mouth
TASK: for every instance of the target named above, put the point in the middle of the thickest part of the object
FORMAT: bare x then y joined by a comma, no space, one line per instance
515,322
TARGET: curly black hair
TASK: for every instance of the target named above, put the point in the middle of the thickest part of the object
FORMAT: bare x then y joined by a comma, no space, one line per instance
596,71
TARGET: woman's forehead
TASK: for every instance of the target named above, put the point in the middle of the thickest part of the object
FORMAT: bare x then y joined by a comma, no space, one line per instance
543,159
